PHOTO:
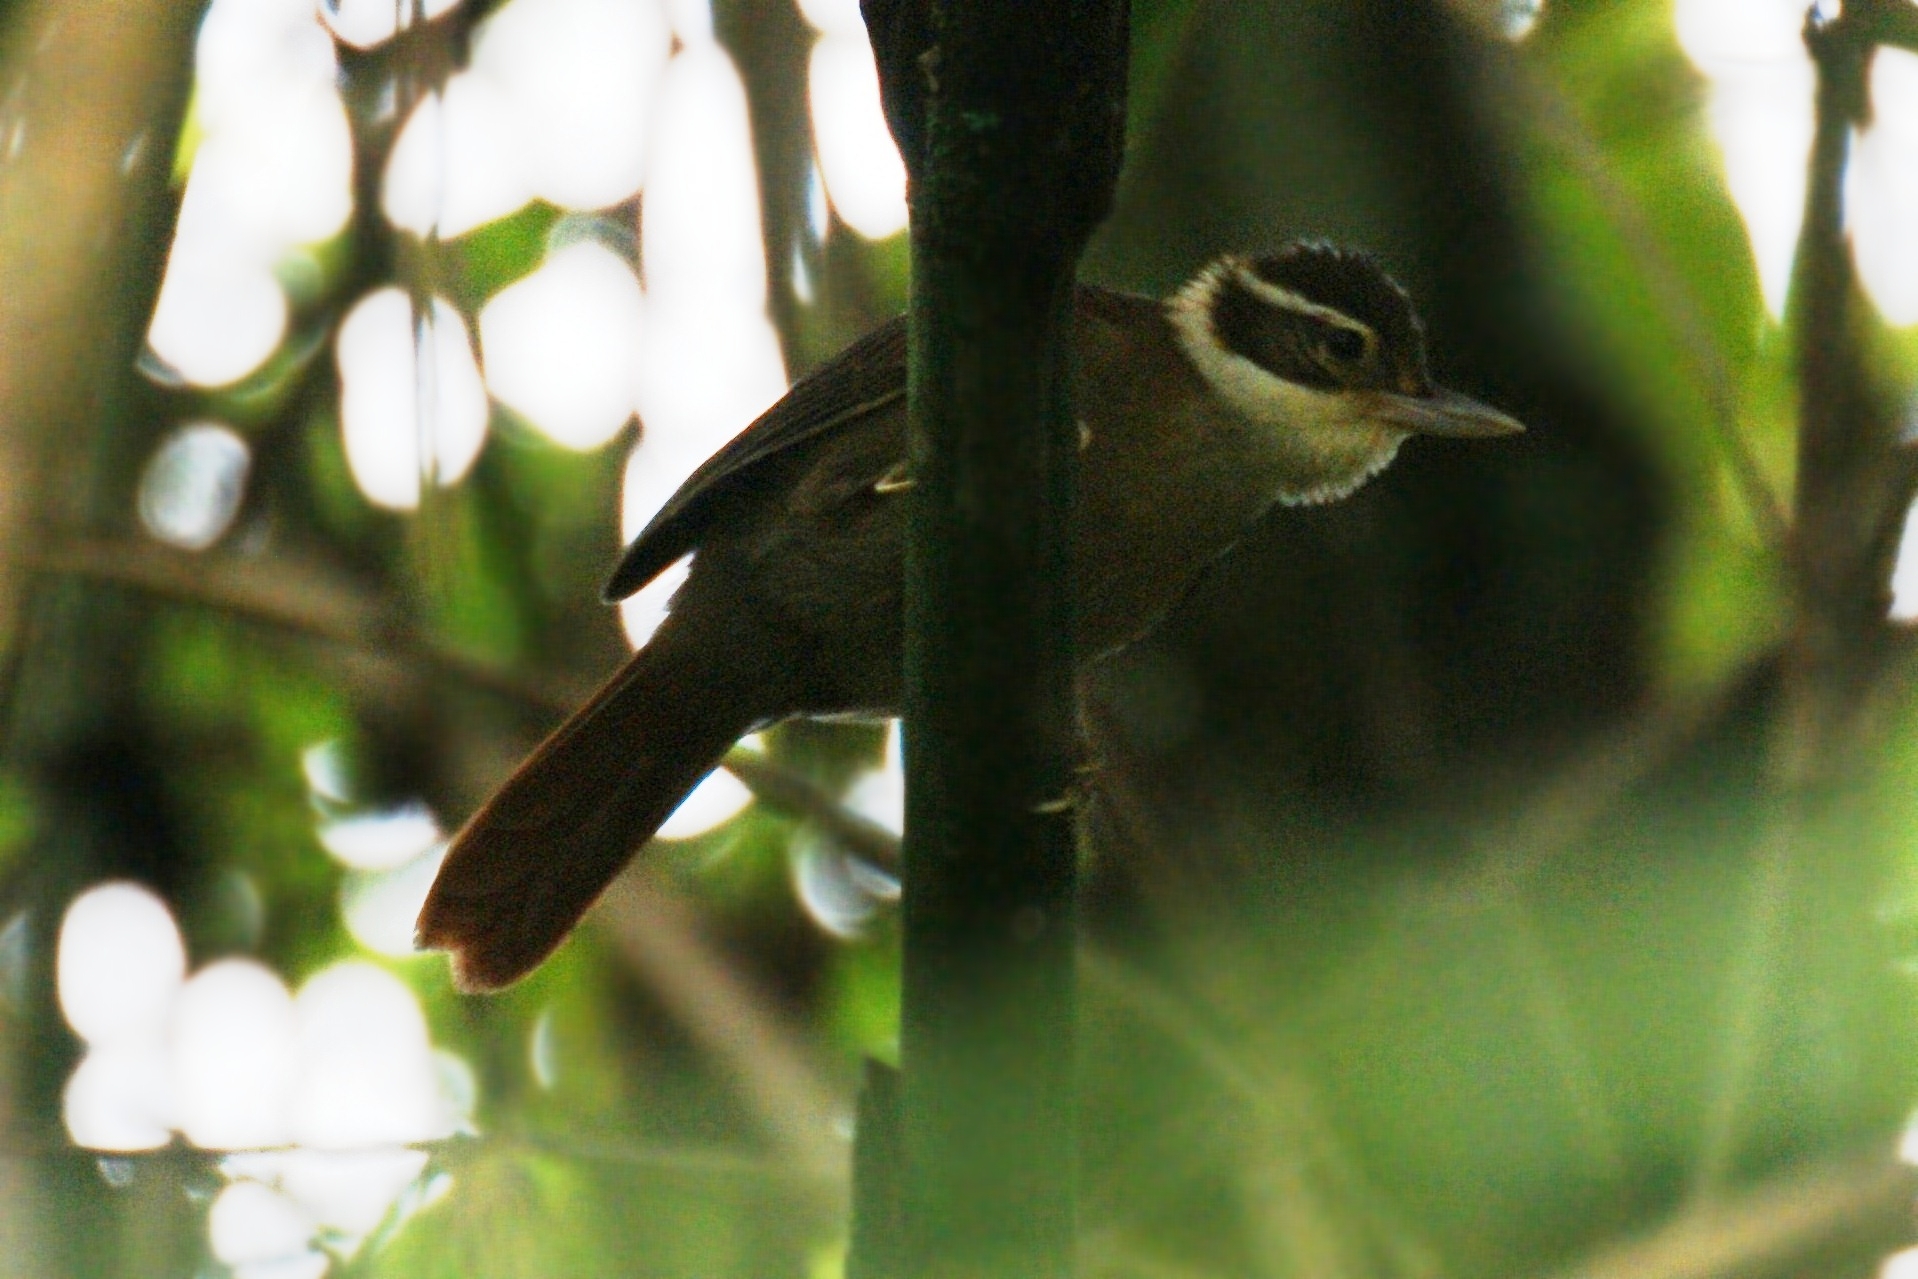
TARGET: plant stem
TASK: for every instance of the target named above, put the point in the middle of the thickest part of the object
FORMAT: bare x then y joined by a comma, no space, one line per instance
1012,165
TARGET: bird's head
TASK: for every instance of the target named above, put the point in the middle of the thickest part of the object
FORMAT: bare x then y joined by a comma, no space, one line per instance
1322,347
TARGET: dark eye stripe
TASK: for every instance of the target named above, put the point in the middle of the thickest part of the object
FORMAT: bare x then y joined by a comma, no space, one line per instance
1348,346
1298,346
1354,285
1276,340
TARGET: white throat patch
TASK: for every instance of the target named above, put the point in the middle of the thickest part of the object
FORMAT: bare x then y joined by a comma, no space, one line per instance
1331,449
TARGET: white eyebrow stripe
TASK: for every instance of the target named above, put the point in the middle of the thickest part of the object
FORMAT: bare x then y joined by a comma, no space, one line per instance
1266,291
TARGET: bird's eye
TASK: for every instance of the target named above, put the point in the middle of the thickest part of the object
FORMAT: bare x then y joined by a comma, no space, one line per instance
1346,346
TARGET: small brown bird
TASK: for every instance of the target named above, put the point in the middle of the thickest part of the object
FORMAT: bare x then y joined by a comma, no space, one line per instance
1288,378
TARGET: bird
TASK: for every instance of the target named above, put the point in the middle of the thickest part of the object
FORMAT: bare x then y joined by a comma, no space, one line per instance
1289,377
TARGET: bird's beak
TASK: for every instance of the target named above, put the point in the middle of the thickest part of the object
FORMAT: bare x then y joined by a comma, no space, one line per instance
1446,413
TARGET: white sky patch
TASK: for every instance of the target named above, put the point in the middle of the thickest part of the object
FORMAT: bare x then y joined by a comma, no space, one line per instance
454,166
273,170
252,1224
1900,1265
120,1098
1904,578
381,839
700,232
1881,188
229,1057
233,1056
580,77
834,17
556,103
367,1076
380,907
365,23
345,1195
219,316
710,362
119,965
392,855
321,1093
864,174
714,802
643,612
562,345
191,488
880,795
384,400
691,20
1760,113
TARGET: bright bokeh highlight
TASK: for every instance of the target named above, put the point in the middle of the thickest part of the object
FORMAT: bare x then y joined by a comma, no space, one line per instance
120,1098
710,362
119,965
834,17
842,893
880,795
272,170
455,165
251,1225
1881,188
700,229
234,1062
381,839
579,78
230,1059
324,767
863,172
281,1206
365,23
1760,113
711,804
367,1076
555,103
1904,576
562,345
405,418
381,907
192,486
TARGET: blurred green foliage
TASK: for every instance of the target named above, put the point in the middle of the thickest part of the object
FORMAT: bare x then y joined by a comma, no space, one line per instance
1444,916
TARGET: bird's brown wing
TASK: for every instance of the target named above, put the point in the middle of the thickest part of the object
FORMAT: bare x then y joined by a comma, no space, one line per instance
867,376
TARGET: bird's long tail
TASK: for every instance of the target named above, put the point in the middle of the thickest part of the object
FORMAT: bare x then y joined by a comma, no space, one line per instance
529,863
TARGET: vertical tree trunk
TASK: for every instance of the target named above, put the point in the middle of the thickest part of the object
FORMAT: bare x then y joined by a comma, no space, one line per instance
1010,115
89,118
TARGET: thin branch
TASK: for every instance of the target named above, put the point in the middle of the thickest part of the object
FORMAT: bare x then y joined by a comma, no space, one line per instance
1855,481
1854,484
1547,112
1767,1228
788,791
306,600
300,598
655,932
1888,22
